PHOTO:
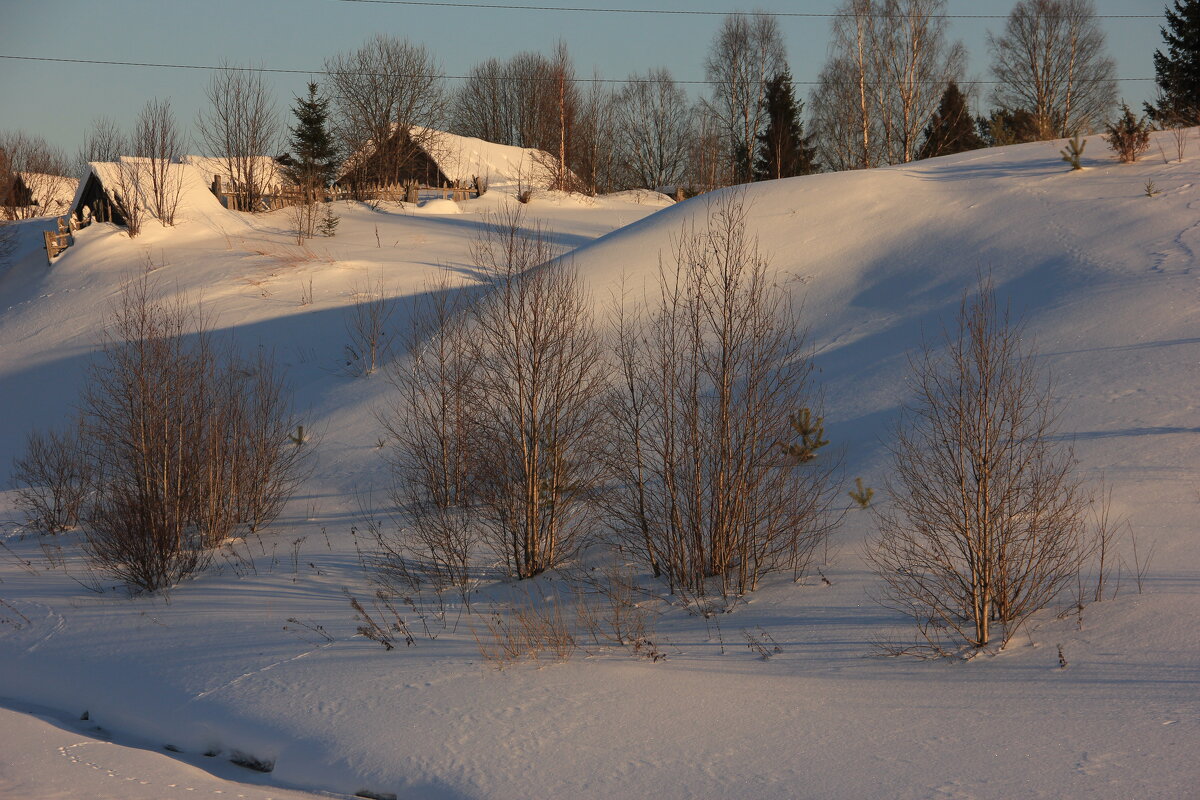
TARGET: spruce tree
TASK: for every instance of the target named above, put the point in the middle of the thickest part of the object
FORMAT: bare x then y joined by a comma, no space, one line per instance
1177,72
952,128
783,149
314,152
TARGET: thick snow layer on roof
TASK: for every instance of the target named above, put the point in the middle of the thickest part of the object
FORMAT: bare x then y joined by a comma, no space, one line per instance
196,200
270,174
462,158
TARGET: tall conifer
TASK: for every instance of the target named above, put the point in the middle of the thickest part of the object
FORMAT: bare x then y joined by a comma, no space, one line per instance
1177,71
313,148
783,149
952,128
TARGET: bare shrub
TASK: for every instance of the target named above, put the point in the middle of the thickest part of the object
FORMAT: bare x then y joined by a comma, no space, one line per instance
525,631
712,378
986,519
52,479
428,424
367,322
189,443
537,373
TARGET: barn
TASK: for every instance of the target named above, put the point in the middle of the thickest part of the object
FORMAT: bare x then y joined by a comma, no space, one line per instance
441,158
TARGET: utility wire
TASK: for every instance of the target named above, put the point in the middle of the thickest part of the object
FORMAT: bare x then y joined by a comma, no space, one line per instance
690,12
227,68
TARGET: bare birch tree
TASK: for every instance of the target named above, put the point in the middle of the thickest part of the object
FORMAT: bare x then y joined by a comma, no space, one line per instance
241,127
1052,61
157,140
746,53
915,62
888,63
714,386
986,516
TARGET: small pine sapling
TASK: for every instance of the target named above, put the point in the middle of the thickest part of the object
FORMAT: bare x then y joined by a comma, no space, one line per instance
810,432
1151,189
862,494
327,227
298,438
1073,152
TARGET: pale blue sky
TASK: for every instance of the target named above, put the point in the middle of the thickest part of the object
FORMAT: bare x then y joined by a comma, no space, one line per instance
58,101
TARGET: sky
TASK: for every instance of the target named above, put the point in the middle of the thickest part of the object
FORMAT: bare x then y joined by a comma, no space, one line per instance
58,101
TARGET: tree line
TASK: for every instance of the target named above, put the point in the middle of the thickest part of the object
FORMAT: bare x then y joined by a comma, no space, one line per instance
892,90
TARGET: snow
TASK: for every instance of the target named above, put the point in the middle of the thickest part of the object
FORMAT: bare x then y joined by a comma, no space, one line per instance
463,158
1104,277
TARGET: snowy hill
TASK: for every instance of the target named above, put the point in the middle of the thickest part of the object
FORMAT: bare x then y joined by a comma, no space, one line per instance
1104,276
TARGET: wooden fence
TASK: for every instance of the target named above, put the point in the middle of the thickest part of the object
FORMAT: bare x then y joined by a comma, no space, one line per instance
58,241
273,198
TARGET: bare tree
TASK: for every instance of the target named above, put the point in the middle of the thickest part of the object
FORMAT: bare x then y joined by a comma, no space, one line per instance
428,424
915,62
388,96
986,516
105,142
35,182
1052,61
242,129
888,63
747,51
157,140
125,183
714,390
654,129
537,376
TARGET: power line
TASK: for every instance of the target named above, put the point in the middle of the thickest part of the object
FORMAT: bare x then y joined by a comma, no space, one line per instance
279,70
689,12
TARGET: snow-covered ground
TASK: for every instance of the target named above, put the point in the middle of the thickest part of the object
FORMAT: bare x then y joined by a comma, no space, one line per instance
232,660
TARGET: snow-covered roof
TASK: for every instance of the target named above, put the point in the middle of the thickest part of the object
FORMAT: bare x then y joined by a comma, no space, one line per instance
271,174
461,158
52,193
195,195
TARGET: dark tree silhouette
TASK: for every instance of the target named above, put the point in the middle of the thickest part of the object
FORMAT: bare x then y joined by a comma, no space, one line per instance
952,129
1177,71
783,149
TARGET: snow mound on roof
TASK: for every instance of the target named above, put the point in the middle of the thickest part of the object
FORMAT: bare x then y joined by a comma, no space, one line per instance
462,158
196,200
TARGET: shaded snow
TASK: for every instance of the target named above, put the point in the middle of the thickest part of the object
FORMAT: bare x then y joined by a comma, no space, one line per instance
1106,280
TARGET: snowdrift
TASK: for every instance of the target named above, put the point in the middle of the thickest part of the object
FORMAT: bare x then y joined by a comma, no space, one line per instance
1104,277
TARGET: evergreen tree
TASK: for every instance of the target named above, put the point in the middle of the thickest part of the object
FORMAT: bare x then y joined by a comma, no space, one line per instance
952,128
783,149
1003,127
315,156
1177,72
